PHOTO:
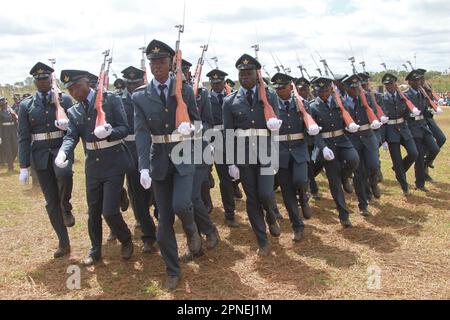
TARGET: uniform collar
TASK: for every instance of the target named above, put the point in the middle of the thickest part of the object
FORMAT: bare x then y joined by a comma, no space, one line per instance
90,96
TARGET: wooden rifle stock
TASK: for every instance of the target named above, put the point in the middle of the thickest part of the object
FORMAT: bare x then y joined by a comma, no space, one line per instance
408,102
430,101
308,120
345,114
370,114
268,110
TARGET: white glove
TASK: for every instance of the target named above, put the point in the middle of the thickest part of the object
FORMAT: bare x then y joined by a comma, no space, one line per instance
274,124
375,125
24,176
314,130
234,172
62,124
384,119
415,112
146,181
385,146
439,110
352,128
61,160
328,154
103,132
186,128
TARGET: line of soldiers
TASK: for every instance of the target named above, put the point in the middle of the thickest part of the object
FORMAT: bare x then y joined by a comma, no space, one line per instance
142,141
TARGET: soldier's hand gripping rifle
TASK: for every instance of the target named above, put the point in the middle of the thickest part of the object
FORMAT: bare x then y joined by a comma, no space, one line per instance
310,123
101,119
61,122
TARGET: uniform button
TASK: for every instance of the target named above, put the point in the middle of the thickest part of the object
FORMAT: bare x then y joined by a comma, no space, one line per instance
89,119
46,112
290,149
289,127
289,115
252,110
48,124
167,110
253,121
166,125
92,133
97,159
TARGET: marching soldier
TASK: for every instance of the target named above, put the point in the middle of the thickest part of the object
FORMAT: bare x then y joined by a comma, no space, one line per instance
40,137
202,168
243,112
397,131
294,155
134,78
366,144
425,143
119,85
156,140
8,133
216,96
333,147
438,134
107,159
304,90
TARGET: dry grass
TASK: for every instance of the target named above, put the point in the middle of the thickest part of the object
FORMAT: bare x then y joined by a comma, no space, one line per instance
407,239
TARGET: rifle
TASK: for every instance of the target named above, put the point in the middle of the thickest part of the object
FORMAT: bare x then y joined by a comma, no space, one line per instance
408,102
182,115
107,73
308,120
143,66
101,118
430,101
198,69
337,96
370,114
60,113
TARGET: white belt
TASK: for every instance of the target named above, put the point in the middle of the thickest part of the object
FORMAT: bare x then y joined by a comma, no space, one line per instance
289,137
7,124
419,118
102,144
396,121
252,133
47,136
170,138
364,128
219,127
130,138
333,134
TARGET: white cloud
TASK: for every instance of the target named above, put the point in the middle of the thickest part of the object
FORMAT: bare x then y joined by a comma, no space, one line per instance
75,33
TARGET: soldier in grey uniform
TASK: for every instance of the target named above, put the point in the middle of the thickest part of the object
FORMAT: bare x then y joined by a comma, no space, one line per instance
8,133
170,172
40,137
107,159
294,155
397,132
333,147
134,78
243,112
366,144
217,96
423,136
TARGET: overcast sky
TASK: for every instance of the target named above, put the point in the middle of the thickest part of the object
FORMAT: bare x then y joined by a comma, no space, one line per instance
76,32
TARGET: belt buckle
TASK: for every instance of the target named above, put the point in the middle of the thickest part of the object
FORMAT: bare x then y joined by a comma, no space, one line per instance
289,137
333,134
48,136
95,145
166,138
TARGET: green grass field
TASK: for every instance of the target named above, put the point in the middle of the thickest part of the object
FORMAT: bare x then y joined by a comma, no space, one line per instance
406,240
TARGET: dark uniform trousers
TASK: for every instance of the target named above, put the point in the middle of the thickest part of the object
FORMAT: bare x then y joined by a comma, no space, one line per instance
56,184
366,145
201,216
238,113
105,168
346,158
225,181
423,137
139,197
172,183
